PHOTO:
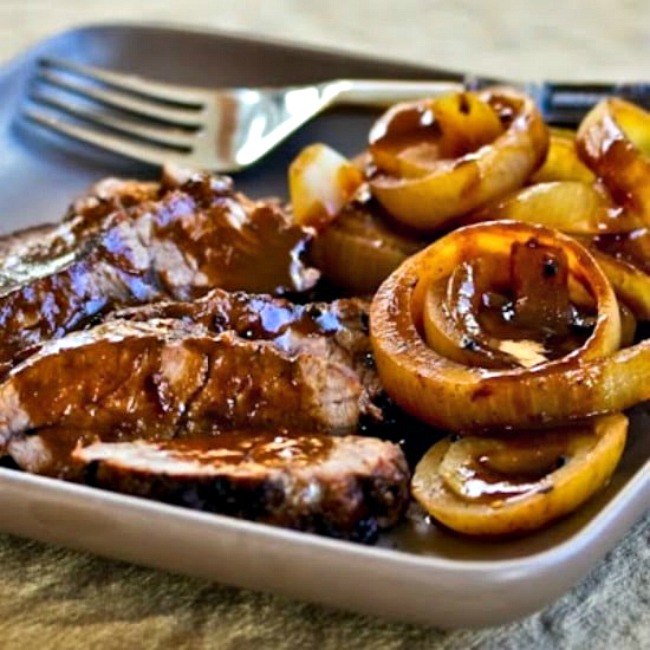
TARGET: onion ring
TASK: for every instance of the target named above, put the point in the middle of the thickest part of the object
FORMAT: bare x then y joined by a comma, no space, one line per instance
361,248
455,187
487,486
562,162
410,138
593,379
564,194
567,195
632,285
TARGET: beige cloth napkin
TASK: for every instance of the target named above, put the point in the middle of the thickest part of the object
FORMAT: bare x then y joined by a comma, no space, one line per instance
54,598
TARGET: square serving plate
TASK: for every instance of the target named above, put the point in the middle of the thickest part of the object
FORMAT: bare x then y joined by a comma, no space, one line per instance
418,572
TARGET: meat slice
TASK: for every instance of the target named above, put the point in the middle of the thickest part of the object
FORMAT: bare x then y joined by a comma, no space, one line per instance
349,487
135,243
337,330
170,369
169,376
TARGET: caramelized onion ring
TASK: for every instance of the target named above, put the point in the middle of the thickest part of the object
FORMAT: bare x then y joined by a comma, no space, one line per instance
564,194
455,187
410,138
360,249
485,486
614,141
592,380
445,333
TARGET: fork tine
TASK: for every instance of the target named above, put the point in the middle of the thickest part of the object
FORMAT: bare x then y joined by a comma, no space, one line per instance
162,136
161,92
138,151
185,118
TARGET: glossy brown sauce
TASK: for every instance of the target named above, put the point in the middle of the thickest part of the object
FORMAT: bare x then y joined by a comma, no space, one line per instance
413,138
259,317
109,195
532,314
485,486
521,467
131,243
165,376
412,125
57,445
226,448
609,148
66,447
222,239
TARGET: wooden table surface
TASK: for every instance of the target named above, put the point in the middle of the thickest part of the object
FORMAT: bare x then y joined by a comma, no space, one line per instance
50,597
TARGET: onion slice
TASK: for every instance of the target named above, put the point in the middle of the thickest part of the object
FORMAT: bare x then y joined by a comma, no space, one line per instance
321,182
564,194
632,285
562,162
570,206
500,486
409,138
614,141
590,380
361,248
453,187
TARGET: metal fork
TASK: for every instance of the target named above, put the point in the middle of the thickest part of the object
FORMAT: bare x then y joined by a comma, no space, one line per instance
229,129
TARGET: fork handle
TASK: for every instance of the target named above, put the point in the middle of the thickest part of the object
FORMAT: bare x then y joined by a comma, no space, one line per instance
379,92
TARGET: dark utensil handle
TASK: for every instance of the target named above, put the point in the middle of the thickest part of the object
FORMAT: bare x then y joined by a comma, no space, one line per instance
566,103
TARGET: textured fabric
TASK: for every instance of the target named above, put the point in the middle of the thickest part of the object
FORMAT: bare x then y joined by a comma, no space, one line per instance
54,598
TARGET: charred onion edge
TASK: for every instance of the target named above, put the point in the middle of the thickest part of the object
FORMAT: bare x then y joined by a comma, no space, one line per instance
455,397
